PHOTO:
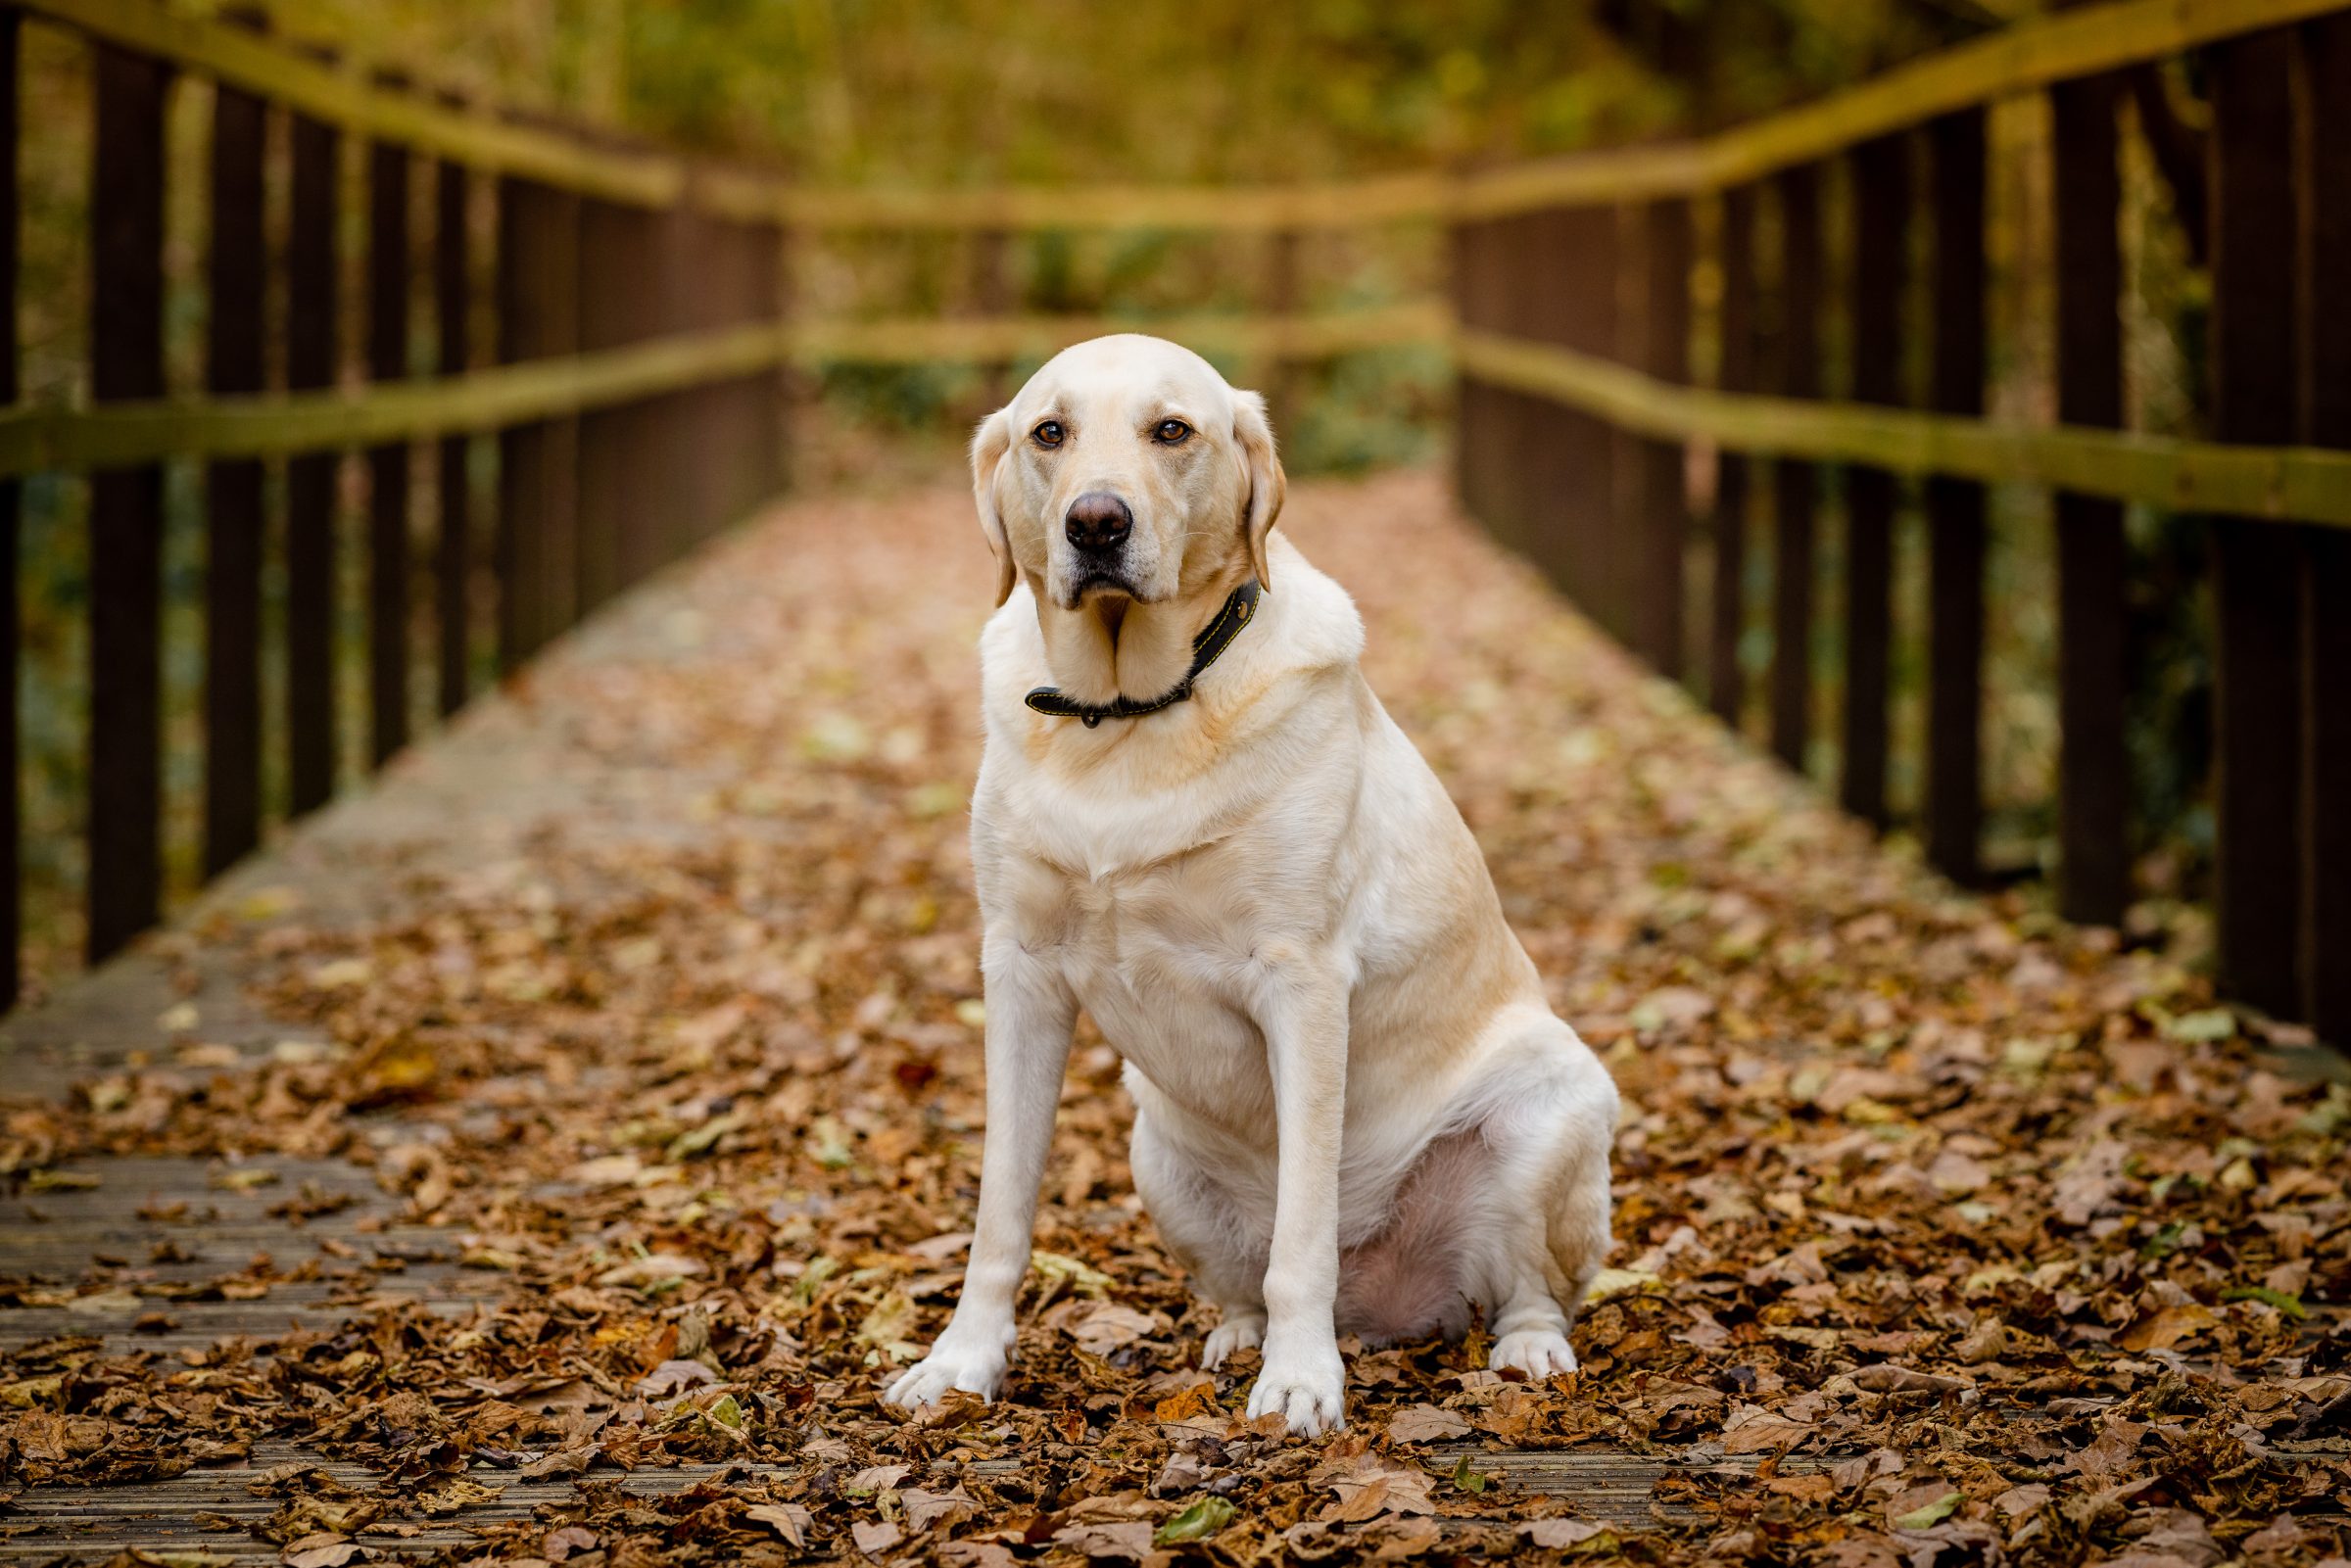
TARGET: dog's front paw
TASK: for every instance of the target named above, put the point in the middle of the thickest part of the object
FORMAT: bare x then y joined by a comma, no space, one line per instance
1306,1385
975,1369
1240,1331
1539,1352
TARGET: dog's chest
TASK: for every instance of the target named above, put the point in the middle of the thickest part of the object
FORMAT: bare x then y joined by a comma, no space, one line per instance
1159,958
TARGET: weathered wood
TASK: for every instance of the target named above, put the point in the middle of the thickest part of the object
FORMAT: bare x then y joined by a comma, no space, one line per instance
1726,684
2324,164
2092,796
522,445
236,279
313,357
555,285
1794,483
311,85
2304,483
452,550
1955,506
615,258
1665,500
1469,280
1879,210
2022,58
126,506
2257,587
765,393
12,803
388,466
1572,262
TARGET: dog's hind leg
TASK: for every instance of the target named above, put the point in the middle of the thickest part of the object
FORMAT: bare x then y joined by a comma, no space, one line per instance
1550,1130
1204,1229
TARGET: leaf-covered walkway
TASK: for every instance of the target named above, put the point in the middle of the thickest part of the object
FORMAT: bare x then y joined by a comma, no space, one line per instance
540,1157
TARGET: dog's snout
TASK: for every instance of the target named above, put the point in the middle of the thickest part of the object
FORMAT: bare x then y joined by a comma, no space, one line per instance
1099,521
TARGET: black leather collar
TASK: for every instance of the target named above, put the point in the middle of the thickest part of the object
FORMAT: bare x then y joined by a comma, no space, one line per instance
1213,640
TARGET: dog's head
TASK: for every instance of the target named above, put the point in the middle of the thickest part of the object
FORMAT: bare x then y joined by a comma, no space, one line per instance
1125,470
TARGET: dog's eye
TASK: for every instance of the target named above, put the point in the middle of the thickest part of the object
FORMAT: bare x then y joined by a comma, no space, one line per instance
1172,433
1048,434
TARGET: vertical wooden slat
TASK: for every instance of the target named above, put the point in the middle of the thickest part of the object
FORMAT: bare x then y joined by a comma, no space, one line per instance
1955,541
613,260
235,363
388,466
12,811
2257,567
1664,501
558,286
763,394
1880,229
312,335
1568,278
1794,483
1467,276
2085,192
453,554
678,420
1726,686
522,450
2325,164
126,361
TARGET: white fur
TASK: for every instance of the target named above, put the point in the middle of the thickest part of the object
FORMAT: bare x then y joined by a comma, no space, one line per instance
1267,903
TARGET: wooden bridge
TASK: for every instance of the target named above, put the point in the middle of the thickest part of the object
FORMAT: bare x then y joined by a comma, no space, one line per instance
532,1146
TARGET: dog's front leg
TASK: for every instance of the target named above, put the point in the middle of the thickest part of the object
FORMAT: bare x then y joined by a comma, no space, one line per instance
1303,1015
1031,1015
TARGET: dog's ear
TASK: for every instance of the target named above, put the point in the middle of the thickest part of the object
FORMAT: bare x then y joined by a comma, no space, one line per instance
1266,483
988,445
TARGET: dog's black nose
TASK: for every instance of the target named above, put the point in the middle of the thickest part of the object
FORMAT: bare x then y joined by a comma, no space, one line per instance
1099,521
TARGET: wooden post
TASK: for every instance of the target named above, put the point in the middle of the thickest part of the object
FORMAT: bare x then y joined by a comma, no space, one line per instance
1570,281
388,466
1726,685
236,277
522,450
612,301
1881,217
1665,498
11,634
1955,506
452,555
557,284
2257,565
763,393
1468,271
313,333
2092,798
126,506
1794,483
2325,164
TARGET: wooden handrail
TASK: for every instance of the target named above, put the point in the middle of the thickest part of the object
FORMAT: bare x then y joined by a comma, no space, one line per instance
2302,483
48,438
2022,58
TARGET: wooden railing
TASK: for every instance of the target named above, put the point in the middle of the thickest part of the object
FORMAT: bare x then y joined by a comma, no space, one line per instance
1574,419
636,393
631,383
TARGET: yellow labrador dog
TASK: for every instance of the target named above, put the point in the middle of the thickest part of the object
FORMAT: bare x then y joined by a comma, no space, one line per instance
1354,1110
